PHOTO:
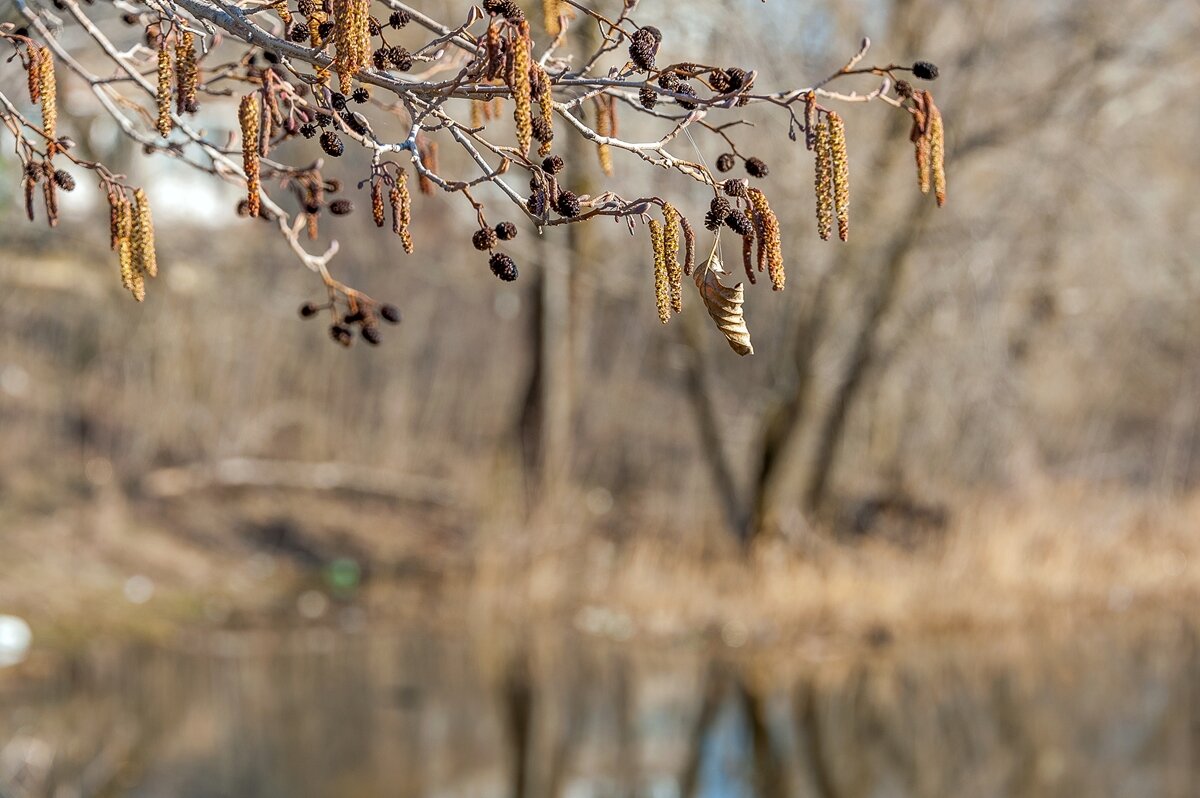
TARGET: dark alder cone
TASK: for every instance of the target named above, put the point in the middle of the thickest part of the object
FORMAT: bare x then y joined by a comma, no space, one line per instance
506,231
373,26
298,33
925,70
568,204
64,180
684,88
390,313
554,164
308,310
398,19
325,29
306,7
380,58
725,162
669,81
718,209
484,238
338,101
353,318
757,168
503,266
400,58
739,223
736,77
371,334
536,204
736,188
308,131
356,122
340,334
719,80
648,97
543,131
332,143
360,95
341,207
643,46
904,89
505,8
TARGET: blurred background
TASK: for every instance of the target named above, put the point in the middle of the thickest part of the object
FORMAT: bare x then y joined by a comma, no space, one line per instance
937,536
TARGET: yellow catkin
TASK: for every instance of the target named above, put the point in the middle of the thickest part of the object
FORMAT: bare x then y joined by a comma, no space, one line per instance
314,29
186,73
35,74
539,79
281,8
518,84
351,39
402,211
841,174
131,278
937,152
478,109
662,289
671,255
604,127
144,257
377,210
552,13
248,118
823,180
162,93
924,169
770,241
114,218
48,90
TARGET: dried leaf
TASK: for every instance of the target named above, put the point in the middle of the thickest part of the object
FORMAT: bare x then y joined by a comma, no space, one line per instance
724,305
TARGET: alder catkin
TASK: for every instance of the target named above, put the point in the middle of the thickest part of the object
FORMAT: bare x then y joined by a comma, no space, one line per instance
552,13
841,174
823,180
186,73
248,118
671,255
162,94
351,39
377,214
604,127
144,258
662,291
937,151
48,91
50,193
770,241
34,74
131,278
401,203
518,84
689,246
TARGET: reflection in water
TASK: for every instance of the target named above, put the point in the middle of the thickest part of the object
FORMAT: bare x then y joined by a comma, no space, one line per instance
320,713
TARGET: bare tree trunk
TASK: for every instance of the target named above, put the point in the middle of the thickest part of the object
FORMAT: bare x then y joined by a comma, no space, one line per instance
861,359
